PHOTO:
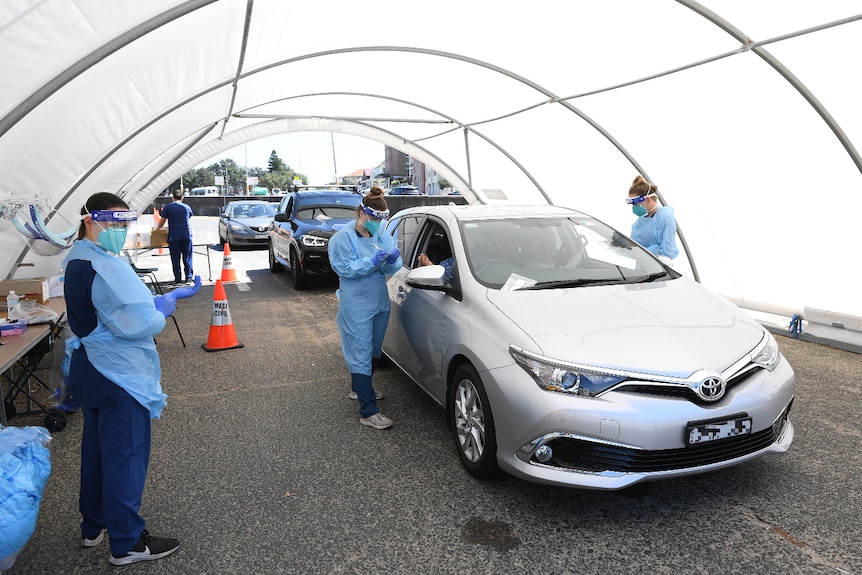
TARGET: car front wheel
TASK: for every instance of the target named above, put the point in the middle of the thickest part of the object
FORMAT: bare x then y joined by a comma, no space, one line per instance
300,282
471,419
274,265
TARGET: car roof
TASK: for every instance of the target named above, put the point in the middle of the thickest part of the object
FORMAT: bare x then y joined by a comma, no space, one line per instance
249,202
334,193
490,212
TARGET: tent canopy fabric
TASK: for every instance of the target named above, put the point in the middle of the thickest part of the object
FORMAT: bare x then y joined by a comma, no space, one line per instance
743,114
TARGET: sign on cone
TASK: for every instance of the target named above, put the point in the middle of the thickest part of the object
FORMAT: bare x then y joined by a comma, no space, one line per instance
222,334
228,274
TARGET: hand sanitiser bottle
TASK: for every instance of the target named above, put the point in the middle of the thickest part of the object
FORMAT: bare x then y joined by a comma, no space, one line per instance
11,300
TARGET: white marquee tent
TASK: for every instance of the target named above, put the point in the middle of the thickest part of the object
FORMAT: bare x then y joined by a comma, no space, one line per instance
745,114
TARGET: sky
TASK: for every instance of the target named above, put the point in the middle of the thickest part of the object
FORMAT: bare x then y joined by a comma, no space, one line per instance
309,153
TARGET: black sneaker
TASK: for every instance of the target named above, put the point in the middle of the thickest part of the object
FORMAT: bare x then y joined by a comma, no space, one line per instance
147,549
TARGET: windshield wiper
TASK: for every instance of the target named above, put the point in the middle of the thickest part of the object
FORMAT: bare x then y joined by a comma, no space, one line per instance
650,278
570,283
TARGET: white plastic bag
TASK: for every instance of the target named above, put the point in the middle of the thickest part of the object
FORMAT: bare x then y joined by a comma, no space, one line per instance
32,312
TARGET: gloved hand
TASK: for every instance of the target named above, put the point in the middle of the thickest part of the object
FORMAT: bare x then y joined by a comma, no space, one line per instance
166,305
393,256
378,258
187,291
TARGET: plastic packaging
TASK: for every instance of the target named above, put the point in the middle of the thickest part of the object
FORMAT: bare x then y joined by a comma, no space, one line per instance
24,468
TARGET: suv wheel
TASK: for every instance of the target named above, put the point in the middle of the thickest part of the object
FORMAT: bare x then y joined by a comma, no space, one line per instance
274,265
470,417
300,281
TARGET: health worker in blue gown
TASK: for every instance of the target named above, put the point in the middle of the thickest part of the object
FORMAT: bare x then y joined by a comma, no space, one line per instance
113,370
655,228
362,253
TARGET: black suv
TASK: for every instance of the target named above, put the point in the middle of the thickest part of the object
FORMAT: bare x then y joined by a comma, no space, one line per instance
299,234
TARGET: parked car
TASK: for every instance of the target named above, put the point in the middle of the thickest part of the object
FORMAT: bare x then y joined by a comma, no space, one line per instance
245,223
566,354
299,235
404,191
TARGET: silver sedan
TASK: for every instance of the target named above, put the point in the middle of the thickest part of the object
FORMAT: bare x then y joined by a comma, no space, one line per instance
564,353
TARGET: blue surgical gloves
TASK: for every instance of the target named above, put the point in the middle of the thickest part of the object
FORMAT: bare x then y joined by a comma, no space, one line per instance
393,256
187,291
167,304
379,257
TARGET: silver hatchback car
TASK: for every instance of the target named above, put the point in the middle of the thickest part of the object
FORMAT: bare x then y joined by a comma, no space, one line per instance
564,353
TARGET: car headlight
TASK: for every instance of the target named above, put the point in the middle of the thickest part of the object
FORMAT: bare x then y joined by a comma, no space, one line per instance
768,356
238,228
314,241
561,377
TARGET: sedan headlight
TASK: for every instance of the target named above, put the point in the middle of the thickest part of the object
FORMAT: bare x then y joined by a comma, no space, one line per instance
314,241
768,356
554,375
238,228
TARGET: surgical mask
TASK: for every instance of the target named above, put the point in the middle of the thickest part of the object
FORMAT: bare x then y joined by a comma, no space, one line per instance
112,239
639,210
372,226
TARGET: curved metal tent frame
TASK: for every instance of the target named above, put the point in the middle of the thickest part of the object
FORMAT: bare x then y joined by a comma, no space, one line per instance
234,86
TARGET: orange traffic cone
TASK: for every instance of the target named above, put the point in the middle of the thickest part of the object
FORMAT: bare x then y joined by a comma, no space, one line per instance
222,334
228,274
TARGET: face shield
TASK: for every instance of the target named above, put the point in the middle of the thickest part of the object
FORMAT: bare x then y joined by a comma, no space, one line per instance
376,214
114,225
114,218
634,200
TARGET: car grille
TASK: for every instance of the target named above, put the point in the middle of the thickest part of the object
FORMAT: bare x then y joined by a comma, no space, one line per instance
258,228
683,391
580,455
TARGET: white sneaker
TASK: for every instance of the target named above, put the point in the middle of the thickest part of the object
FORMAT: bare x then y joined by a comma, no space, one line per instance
92,542
377,421
352,395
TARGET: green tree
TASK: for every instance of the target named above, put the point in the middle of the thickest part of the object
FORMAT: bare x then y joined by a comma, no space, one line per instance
276,164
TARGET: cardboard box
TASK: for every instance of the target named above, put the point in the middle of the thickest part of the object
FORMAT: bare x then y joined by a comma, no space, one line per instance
159,239
30,288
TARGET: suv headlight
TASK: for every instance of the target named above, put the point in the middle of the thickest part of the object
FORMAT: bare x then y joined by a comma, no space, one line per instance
314,241
769,355
561,377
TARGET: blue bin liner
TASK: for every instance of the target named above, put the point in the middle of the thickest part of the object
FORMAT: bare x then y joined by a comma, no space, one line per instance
25,463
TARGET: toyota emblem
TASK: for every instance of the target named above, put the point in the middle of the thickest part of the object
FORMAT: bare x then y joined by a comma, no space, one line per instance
711,389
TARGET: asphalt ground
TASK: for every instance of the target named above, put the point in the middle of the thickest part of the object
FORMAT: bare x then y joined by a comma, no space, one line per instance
259,465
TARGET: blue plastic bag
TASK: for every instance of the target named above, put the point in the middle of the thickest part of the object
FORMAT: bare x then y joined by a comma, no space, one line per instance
25,464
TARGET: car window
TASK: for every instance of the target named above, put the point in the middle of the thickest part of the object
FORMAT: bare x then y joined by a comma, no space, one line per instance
553,251
434,243
288,206
325,212
404,231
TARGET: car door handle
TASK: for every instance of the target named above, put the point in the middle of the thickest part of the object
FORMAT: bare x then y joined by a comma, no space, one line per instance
401,294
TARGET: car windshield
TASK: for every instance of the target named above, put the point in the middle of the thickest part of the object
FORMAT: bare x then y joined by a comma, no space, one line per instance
553,252
326,212
253,211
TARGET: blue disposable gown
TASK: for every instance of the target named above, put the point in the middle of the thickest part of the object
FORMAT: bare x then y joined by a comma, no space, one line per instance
121,347
362,294
658,233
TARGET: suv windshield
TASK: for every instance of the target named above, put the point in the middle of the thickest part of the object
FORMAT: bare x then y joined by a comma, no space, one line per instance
326,212
547,253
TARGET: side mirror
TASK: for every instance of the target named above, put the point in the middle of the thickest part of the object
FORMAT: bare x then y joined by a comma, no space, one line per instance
427,277
281,217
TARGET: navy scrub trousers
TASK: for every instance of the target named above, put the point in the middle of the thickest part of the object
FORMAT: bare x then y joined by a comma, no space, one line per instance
115,446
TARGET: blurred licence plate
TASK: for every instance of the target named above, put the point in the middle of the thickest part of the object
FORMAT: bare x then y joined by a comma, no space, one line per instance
261,236
713,430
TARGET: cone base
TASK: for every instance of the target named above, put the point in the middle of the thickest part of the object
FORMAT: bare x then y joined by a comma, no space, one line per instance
237,346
